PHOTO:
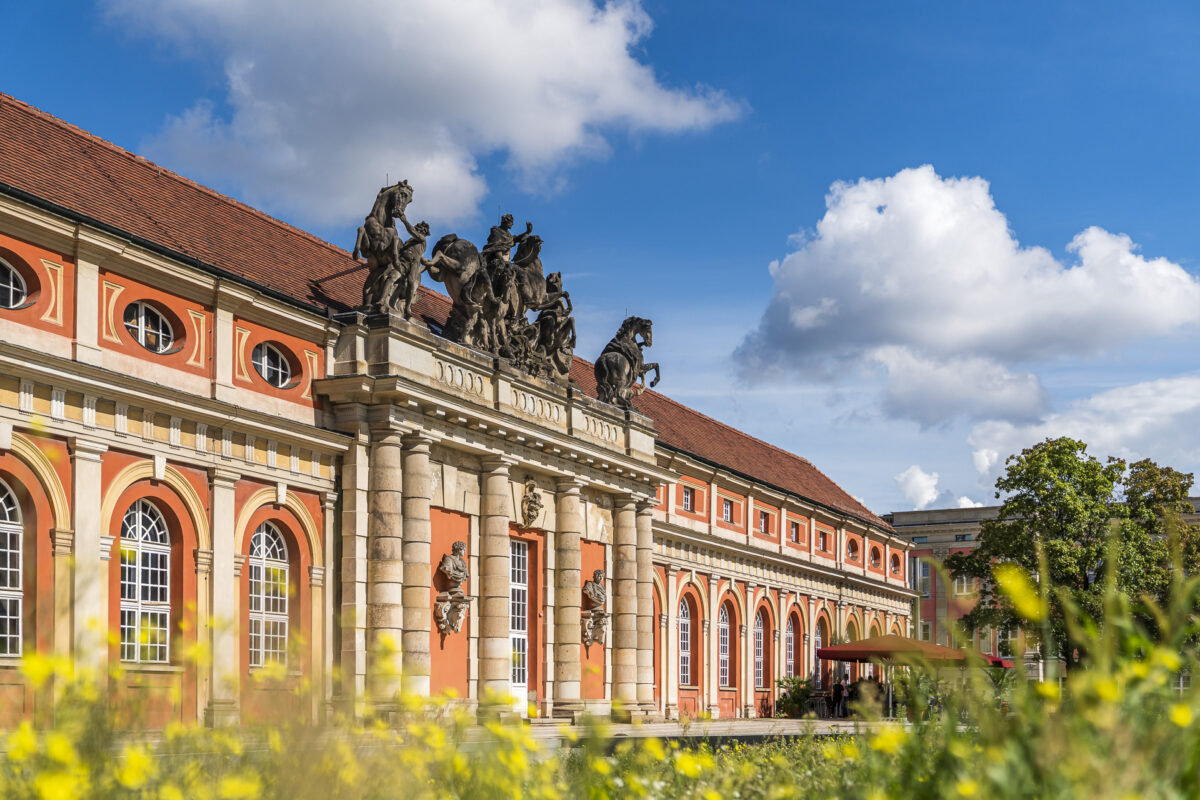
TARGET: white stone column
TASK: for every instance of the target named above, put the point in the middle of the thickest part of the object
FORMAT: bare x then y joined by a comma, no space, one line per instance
645,606
355,528
495,645
568,595
712,646
385,568
625,602
810,639
418,617
747,631
670,643
93,549
226,664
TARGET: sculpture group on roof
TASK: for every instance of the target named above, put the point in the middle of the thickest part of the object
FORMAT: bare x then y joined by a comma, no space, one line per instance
493,291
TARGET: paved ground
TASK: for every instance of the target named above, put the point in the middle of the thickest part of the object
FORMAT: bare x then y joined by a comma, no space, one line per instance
719,730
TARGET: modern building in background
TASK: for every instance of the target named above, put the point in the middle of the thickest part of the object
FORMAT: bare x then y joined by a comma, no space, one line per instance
218,475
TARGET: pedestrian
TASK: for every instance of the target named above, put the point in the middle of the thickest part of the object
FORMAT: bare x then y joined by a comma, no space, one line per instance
837,697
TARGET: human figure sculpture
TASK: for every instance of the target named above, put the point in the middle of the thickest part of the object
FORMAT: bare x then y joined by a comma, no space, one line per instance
501,240
594,619
531,503
402,282
620,366
450,606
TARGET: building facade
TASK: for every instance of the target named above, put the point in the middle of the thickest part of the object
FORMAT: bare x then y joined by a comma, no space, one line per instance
219,475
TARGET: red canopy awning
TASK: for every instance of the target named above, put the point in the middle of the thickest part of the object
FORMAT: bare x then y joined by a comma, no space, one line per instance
899,648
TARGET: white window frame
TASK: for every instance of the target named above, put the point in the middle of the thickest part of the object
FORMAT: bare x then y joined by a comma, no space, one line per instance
852,550
926,634
764,522
823,540
723,647
685,643
689,498
143,327
145,585
923,578
726,510
1004,642
794,531
271,364
12,283
760,644
518,616
789,644
12,592
268,569
963,585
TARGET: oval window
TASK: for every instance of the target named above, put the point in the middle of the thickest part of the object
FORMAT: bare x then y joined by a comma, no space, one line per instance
895,564
876,557
12,286
148,327
271,364
852,550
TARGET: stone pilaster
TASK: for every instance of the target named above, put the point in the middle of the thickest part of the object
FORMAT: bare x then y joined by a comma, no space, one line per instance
226,666
355,538
670,644
810,640
417,491
624,672
385,567
747,631
495,646
645,606
91,557
568,596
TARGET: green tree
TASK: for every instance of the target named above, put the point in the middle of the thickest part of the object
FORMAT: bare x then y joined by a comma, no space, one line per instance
1083,512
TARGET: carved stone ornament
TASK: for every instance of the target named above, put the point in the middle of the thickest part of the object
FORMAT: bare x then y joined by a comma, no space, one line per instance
621,366
394,264
450,607
494,291
594,618
531,504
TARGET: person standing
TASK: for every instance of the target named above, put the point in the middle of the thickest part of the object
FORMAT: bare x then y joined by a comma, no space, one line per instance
838,690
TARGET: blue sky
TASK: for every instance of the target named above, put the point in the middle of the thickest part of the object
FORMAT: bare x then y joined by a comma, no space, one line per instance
1038,278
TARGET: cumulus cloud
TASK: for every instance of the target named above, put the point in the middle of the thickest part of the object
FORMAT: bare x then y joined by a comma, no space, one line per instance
325,99
918,486
921,276
1156,419
966,502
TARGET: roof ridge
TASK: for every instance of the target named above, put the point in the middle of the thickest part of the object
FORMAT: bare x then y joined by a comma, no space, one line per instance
171,174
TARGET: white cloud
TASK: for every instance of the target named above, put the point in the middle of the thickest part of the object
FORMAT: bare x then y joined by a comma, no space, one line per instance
921,275
1157,419
918,486
966,502
325,98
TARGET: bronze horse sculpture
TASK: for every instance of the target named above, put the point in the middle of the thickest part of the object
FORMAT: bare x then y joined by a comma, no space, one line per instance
620,366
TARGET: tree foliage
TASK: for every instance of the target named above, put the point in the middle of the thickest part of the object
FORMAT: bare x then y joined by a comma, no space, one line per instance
1083,513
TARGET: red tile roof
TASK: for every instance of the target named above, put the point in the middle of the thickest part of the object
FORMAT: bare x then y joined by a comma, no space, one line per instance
42,156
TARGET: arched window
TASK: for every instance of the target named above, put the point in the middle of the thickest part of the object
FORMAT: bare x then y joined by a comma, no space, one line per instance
12,287
876,557
789,648
10,572
148,327
851,550
145,585
760,645
685,643
723,646
268,564
271,364
895,564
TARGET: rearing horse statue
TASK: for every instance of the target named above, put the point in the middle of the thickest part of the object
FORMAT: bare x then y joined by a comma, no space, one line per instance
620,366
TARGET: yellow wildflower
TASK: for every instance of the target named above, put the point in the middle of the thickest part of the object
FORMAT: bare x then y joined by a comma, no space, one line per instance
38,668
654,747
850,751
239,787
687,764
1017,587
967,788
170,791
1048,690
22,743
57,786
601,766
1181,714
1108,690
136,769
1168,658
59,748
889,739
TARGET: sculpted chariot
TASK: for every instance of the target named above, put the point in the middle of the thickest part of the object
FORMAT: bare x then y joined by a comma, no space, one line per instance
493,292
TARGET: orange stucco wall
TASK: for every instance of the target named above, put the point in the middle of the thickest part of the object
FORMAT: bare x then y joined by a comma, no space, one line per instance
591,557
449,667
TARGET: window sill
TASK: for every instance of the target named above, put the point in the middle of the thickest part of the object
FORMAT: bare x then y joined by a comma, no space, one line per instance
11,662
133,666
